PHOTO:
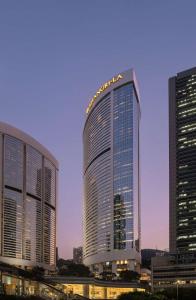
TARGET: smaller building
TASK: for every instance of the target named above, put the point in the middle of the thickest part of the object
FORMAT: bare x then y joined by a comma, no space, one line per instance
92,288
78,255
147,254
173,271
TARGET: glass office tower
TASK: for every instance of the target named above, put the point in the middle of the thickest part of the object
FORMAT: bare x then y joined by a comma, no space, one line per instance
111,176
28,180
182,132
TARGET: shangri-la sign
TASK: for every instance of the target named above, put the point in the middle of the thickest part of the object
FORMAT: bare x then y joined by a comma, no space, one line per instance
102,89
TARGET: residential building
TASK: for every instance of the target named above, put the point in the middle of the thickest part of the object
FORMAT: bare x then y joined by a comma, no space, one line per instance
28,184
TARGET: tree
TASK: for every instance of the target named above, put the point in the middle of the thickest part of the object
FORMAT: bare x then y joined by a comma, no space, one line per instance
183,293
75,270
107,275
37,273
128,275
63,262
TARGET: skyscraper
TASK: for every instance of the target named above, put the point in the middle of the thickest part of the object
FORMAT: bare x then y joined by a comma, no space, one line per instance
28,181
112,176
182,158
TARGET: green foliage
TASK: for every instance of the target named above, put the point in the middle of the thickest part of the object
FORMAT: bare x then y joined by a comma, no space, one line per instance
75,270
37,273
63,262
107,275
183,293
146,263
128,275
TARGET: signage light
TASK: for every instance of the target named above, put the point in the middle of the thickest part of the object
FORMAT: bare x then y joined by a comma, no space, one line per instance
102,89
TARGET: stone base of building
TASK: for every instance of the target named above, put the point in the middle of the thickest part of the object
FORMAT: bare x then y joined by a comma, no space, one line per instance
115,267
114,261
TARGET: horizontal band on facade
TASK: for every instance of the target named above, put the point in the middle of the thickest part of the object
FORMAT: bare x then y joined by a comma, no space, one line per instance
33,196
13,188
50,205
106,150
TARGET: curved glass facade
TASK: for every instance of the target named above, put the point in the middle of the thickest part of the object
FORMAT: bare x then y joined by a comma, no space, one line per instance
28,204
97,184
111,176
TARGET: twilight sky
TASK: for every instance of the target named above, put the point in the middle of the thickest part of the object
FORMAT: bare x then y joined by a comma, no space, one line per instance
53,57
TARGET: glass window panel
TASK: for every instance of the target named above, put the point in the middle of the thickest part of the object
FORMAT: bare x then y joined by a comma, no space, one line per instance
50,182
49,235
13,224
123,130
13,162
33,172
32,230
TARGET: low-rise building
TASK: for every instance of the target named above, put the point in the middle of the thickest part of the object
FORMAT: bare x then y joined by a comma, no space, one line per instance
173,271
147,254
92,288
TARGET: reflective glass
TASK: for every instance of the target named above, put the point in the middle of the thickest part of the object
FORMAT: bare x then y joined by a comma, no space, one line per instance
49,235
97,179
13,224
32,230
186,163
34,171
97,208
125,137
13,162
50,182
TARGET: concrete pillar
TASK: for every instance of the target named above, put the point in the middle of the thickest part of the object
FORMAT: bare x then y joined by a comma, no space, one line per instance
105,292
114,267
100,267
131,265
86,290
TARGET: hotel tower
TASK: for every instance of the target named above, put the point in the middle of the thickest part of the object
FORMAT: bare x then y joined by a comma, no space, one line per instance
112,176
28,181
182,167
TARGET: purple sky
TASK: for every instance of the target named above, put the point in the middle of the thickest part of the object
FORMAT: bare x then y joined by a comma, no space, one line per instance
53,57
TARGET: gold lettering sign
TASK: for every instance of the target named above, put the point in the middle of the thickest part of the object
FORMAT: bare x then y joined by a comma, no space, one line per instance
102,89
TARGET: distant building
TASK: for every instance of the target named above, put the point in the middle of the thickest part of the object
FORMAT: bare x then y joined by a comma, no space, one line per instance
112,176
78,255
182,163
147,254
28,184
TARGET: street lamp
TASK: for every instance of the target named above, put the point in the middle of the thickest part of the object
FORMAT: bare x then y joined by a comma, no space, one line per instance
177,284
